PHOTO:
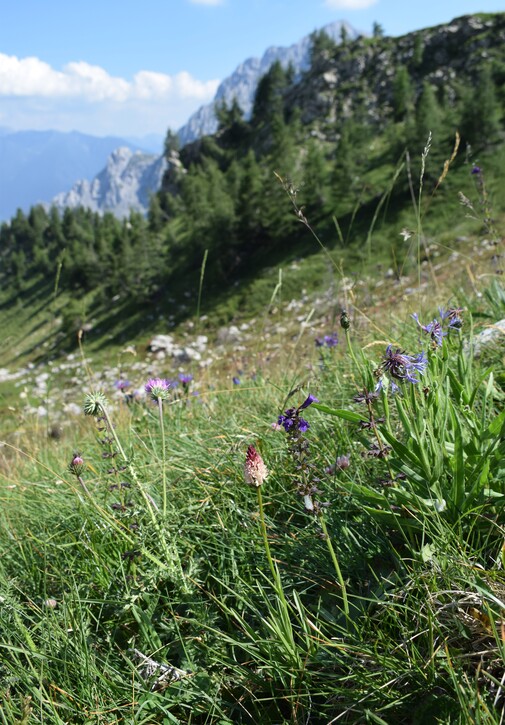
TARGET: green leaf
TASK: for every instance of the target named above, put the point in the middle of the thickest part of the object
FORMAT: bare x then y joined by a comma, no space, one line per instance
458,464
339,413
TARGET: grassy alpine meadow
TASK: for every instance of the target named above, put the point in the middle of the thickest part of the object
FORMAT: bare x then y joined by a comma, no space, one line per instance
309,528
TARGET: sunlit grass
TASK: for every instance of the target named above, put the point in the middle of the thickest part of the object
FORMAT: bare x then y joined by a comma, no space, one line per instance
142,580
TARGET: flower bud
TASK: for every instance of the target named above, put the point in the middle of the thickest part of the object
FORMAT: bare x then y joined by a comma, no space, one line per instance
345,322
77,465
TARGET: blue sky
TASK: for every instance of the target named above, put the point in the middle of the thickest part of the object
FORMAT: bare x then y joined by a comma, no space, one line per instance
126,67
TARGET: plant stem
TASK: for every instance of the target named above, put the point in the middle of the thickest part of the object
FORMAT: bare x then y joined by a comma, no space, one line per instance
336,566
151,505
163,453
273,568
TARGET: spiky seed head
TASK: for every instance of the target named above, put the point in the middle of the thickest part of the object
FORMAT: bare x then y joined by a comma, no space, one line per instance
95,403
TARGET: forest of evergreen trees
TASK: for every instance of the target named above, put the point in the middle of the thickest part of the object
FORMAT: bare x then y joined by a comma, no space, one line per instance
227,200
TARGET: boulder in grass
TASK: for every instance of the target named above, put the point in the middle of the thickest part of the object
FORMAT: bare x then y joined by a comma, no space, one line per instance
493,336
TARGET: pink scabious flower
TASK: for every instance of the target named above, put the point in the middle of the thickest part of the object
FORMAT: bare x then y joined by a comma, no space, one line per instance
157,389
255,470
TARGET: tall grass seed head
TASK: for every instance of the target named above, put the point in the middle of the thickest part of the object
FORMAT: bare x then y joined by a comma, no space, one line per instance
255,471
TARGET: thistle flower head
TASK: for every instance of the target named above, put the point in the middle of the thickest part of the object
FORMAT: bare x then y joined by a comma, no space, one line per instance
255,470
157,389
94,403
400,366
185,378
77,465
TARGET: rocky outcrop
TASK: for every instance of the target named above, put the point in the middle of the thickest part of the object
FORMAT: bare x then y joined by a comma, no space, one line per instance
242,83
124,185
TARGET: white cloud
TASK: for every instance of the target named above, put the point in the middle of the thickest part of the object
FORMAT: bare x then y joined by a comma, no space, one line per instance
34,78
349,4
85,97
206,2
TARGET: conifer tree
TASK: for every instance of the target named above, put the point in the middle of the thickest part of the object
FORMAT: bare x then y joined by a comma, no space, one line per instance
428,114
481,111
403,97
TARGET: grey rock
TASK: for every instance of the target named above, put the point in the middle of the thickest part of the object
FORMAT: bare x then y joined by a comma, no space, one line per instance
242,83
125,184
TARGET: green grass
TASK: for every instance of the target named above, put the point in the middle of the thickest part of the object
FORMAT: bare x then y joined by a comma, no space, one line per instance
386,606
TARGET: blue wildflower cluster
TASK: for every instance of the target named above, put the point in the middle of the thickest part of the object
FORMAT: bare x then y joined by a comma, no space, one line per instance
327,341
451,319
291,420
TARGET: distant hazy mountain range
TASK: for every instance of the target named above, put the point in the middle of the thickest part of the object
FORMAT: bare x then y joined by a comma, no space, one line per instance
43,166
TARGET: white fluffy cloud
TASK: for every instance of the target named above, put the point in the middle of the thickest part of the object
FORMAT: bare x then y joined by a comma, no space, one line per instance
349,4
206,2
32,77
33,95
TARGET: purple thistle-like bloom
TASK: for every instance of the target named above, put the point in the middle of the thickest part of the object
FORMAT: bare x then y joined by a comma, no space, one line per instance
433,329
185,378
476,170
157,388
400,366
453,314
236,381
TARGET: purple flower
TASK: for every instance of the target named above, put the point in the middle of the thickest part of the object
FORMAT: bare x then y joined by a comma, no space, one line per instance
157,388
308,401
400,366
291,421
122,384
453,314
476,170
236,381
327,341
185,379
433,329
77,465
287,419
331,340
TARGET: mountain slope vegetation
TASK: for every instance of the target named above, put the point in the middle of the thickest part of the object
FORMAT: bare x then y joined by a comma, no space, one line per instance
340,149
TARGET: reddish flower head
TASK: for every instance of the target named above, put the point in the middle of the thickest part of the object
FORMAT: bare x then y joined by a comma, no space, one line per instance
255,470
